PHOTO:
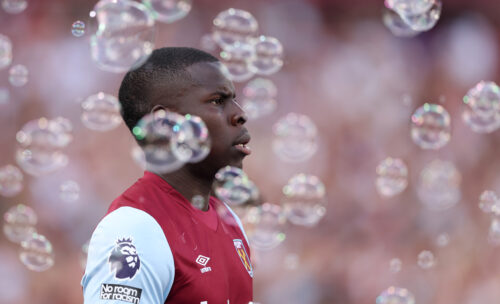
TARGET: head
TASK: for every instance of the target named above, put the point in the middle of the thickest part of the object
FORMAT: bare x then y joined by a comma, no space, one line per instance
189,81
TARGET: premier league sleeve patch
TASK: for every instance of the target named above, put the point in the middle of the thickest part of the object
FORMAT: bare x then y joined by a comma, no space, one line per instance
124,260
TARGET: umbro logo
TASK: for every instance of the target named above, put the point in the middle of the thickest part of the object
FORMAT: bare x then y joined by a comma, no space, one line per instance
203,261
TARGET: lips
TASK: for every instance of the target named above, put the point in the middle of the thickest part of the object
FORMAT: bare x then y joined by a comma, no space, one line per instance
241,143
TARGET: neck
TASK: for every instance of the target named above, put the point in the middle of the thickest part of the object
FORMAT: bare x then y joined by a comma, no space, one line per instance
189,185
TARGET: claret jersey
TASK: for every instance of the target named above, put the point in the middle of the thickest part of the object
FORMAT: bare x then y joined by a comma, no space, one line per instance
153,246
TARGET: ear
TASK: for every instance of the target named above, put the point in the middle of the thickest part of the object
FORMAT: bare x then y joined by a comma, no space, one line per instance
158,107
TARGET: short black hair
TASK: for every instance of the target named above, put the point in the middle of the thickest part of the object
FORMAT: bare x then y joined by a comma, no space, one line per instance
166,64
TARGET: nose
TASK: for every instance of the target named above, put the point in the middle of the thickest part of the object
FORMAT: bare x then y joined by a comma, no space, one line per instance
239,117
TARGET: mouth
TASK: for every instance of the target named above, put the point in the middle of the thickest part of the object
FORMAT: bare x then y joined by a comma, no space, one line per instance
241,144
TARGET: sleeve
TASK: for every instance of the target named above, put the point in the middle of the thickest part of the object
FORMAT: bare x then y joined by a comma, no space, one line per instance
237,221
129,260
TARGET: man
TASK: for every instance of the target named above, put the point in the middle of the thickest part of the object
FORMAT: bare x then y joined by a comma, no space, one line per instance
153,246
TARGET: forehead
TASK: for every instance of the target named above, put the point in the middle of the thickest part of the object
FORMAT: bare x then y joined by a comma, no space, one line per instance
210,76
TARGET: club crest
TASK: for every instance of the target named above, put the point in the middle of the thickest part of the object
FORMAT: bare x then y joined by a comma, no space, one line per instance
124,260
244,257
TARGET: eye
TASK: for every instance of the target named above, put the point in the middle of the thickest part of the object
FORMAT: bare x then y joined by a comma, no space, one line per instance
217,100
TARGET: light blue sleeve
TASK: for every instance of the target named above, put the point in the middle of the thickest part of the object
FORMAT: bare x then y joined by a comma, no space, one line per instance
238,221
129,260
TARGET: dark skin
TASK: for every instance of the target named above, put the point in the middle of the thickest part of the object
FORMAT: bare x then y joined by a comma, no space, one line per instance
211,96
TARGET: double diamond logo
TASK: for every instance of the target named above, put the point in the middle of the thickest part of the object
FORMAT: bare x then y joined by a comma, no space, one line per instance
202,260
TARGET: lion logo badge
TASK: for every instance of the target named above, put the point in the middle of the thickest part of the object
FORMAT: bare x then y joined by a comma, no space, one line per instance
124,260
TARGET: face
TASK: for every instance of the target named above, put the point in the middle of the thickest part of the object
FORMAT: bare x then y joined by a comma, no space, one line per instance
211,96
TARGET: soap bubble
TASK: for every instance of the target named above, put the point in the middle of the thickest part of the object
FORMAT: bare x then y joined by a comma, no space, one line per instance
395,265
304,198
11,180
259,98
69,191
439,185
426,20
233,186
125,35
431,126
169,11
395,295
4,95
234,27
236,62
410,7
494,232
443,240
268,58
191,140
295,138
426,259
482,111
156,134
396,25
265,226
198,202
488,200
5,51
41,141
18,75
392,176
78,28
101,112
37,253
14,6
19,223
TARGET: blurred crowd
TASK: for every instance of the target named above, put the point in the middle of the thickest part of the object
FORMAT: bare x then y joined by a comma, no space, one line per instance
359,84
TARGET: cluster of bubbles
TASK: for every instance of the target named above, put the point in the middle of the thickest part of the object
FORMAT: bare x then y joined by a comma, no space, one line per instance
295,138
11,180
304,198
125,30
244,53
36,251
392,177
489,203
408,18
233,186
259,98
41,142
431,126
439,185
101,112
169,140
264,226
426,259
14,6
482,107
395,295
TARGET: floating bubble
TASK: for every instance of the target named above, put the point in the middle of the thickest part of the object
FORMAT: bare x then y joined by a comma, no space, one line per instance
37,253
392,176
169,11
494,232
396,25
426,20
156,135
78,28
443,240
304,198
69,191
62,127
125,35
236,62
259,98
482,111
191,140
84,254
11,180
138,156
487,201
41,141
198,202
426,259
14,6
430,126
439,185
410,7
233,186
18,75
265,229
268,57
234,27
101,112
5,51
208,44
395,295
395,265
295,138
19,223
4,95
